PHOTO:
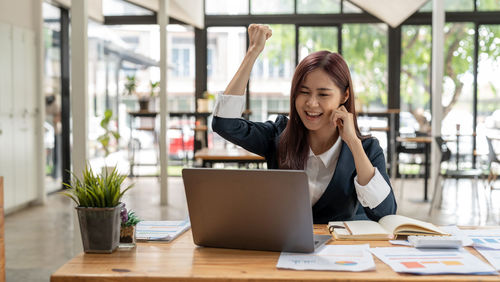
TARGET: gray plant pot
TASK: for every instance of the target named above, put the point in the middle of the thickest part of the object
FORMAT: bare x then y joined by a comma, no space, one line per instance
100,228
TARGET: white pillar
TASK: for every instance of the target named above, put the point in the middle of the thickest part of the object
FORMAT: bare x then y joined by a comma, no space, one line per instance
438,17
79,67
40,104
163,22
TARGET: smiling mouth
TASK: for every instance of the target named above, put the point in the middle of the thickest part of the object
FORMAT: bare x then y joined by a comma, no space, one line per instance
313,115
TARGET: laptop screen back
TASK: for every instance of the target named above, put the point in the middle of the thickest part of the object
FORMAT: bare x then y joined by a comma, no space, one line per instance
249,209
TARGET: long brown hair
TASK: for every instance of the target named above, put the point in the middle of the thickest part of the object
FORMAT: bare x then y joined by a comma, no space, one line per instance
293,144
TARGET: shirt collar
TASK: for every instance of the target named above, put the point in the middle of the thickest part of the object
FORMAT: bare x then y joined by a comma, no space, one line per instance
330,155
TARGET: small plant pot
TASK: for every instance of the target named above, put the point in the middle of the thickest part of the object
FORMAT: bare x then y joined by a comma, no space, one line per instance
144,105
127,235
100,228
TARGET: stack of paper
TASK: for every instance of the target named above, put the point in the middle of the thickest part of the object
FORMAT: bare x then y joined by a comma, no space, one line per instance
487,243
160,230
432,261
330,257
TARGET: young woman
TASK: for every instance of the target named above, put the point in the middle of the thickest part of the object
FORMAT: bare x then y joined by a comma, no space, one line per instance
346,171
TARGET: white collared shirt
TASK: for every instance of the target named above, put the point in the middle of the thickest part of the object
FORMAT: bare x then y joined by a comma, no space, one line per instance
320,168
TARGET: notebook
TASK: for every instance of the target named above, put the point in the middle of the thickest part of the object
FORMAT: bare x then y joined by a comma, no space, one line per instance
160,230
388,227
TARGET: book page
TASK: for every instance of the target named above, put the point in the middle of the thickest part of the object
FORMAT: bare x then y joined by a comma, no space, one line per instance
392,222
366,227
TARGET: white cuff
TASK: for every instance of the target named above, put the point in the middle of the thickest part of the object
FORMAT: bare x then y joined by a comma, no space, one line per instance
229,106
373,193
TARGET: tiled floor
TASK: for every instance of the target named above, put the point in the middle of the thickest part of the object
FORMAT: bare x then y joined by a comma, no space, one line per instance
40,239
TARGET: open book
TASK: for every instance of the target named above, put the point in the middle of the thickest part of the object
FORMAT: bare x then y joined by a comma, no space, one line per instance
388,227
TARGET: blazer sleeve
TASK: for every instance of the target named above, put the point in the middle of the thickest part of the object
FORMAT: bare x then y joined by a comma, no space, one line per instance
256,137
388,205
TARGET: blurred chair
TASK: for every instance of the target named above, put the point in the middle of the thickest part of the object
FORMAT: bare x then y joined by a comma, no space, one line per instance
445,174
413,149
492,158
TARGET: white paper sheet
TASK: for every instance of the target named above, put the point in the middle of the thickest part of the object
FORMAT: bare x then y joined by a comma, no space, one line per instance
432,261
492,256
486,238
330,257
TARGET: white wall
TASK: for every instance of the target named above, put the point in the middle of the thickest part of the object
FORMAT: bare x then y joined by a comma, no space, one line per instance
20,102
19,13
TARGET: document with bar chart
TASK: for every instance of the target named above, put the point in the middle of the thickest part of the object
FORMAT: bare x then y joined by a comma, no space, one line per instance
488,238
432,261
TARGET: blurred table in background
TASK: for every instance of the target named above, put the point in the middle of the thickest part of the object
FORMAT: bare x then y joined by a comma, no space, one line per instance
234,155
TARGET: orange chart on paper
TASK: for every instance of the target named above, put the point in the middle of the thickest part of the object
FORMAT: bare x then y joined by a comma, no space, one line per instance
421,264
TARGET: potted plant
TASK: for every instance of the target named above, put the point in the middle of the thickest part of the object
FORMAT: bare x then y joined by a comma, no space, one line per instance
130,85
106,137
98,206
128,222
154,86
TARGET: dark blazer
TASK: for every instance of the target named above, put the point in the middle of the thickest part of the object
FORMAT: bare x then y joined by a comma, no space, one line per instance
339,201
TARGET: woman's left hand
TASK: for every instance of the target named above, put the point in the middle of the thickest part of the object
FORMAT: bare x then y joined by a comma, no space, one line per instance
344,121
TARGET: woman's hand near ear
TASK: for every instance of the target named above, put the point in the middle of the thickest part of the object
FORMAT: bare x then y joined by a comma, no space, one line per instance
344,121
257,34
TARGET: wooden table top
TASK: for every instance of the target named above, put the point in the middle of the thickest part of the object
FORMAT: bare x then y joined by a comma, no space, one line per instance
422,139
182,260
226,154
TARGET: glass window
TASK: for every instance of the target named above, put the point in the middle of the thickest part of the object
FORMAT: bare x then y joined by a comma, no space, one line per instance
451,6
52,93
364,47
457,97
123,53
226,48
225,51
318,6
226,7
317,38
415,79
488,5
272,73
488,108
272,6
122,8
348,7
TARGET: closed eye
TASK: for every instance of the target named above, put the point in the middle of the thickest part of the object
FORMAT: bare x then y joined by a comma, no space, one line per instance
303,92
324,95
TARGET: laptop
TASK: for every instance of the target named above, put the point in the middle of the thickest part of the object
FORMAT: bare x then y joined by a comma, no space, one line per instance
266,210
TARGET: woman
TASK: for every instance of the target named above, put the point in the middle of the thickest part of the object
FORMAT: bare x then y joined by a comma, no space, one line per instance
346,171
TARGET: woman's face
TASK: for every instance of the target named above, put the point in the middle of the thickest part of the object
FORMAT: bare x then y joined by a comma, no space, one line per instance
317,97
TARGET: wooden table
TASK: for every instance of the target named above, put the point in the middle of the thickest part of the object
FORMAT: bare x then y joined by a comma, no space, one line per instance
234,155
427,149
182,260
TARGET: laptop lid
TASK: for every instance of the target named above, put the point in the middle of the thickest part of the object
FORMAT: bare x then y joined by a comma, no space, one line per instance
249,209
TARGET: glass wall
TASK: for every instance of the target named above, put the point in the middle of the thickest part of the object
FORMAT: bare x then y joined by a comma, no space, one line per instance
488,88
415,80
318,6
226,47
364,47
226,7
317,38
272,6
52,93
271,76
